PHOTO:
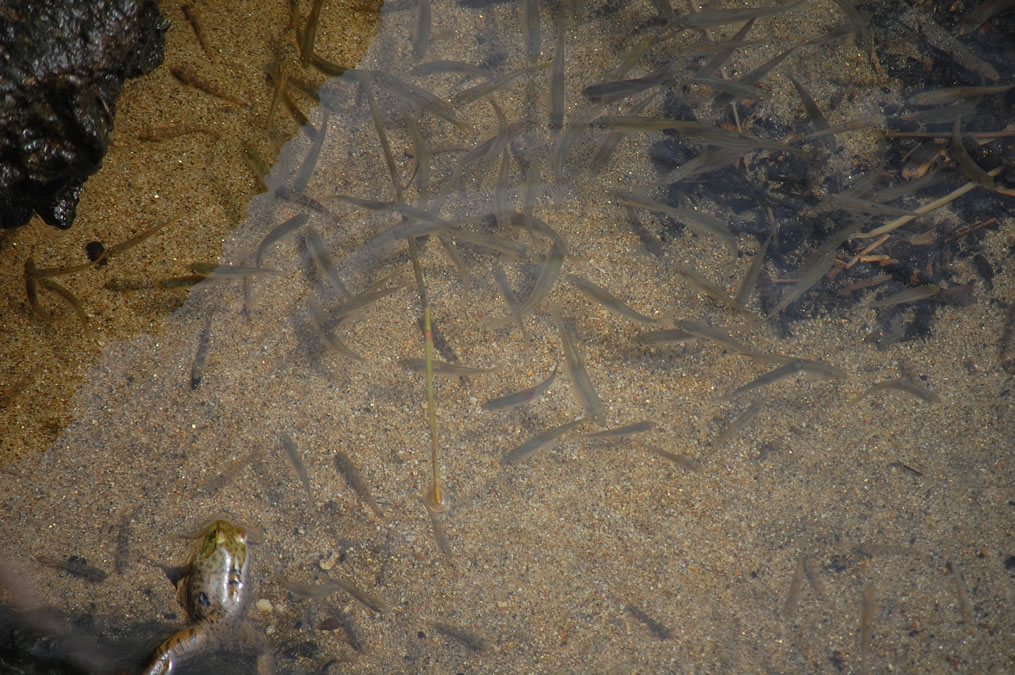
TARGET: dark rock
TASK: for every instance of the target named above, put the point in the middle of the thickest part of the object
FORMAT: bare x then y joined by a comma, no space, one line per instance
62,66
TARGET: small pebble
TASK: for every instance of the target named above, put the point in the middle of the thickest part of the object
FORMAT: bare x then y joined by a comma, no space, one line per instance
263,605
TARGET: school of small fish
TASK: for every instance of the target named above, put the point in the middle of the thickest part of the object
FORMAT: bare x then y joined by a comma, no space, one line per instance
483,163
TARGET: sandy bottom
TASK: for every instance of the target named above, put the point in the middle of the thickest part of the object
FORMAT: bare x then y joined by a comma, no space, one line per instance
828,534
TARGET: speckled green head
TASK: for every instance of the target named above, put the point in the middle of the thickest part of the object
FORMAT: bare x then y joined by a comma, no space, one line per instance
216,584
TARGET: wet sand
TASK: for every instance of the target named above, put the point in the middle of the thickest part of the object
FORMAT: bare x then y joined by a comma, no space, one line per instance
176,156
592,555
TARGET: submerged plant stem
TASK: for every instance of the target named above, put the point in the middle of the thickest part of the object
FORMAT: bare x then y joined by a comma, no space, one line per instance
435,498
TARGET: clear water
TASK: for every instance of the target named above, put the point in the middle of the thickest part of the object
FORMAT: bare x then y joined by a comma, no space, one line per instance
556,561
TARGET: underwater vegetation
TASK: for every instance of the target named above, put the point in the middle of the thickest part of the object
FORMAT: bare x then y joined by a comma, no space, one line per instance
579,335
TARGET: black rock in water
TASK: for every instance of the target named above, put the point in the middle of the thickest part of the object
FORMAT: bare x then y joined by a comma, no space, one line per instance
62,66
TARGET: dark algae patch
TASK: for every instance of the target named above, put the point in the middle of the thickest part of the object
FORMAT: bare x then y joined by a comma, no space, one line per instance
421,369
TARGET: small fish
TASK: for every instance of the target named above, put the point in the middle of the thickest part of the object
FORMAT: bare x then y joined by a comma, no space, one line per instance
860,28
203,344
905,467
506,247
349,632
323,260
721,17
31,290
117,249
793,596
973,171
664,337
610,142
504,286
530,28
476,92
371,601
952,94
684,462
575,366
539,441
230,471
607,299
738,424
914,294
71,300
280,78
471,641
531,194
917,164
500,194
365,298
815,266
355,479
698,280
723,54
332,585
965,606
416,96
845,201
701,224
218,271
922,393
557,82
324,326
440,535
648,123
297,462
445,369
189,76
310,32
440,343
179,282
756,75
382,136
313,154
445,67
626,430
730,87
524,396
311,591
814,577
547,278
421,37
194,19
852,125
978,15
76,566
710,159
703,330
791,368
810,105
421,153
327,67
750,281
617,90
277,233
451,250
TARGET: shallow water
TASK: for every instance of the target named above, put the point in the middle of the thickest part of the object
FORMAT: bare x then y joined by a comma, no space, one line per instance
564,560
